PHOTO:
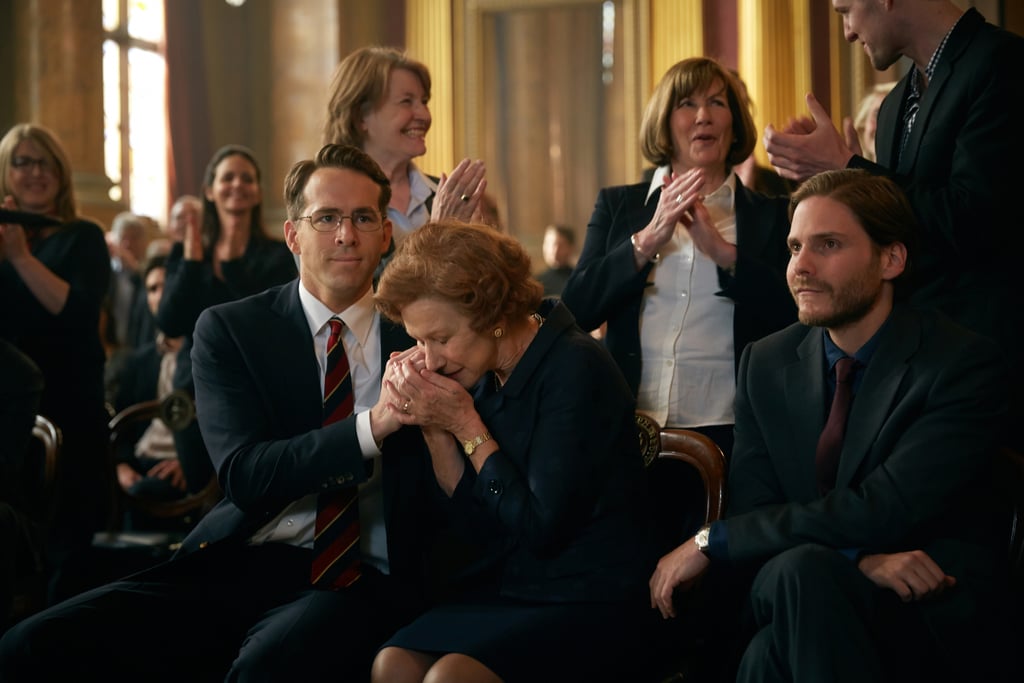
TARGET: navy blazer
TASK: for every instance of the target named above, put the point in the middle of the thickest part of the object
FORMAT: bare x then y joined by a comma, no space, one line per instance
915,469
959,175
605,285
564,499
259,405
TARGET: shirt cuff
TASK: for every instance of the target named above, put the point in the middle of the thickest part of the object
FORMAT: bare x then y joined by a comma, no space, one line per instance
364,432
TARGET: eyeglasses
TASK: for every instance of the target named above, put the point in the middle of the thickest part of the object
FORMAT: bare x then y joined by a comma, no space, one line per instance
26,164
330,221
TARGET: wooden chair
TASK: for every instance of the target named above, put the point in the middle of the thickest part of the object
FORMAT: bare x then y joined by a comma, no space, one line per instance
176,410
687,481
43,458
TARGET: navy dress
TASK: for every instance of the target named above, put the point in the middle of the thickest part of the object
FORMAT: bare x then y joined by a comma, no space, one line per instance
559,519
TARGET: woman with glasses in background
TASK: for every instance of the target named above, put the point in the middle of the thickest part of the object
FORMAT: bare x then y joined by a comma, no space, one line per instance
54,273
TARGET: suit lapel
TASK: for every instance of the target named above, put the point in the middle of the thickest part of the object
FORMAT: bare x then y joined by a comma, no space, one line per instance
932,96
804,386
303,370
890,127
877,393
638,217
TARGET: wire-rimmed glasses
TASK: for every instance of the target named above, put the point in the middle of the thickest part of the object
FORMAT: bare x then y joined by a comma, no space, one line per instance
362,220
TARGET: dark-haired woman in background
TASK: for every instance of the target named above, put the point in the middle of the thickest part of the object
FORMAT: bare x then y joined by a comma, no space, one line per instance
225,257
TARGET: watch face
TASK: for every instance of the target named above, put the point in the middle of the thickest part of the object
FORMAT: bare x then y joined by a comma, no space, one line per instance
702,538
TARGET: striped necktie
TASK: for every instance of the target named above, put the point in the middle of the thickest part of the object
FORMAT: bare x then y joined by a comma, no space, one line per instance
336,536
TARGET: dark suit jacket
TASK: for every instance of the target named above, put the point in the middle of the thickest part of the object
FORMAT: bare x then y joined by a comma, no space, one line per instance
259,404
915,465
605,285
565,496
961,175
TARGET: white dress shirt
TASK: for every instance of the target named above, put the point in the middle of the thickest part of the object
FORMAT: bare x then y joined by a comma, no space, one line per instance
686,329
361,340
420,189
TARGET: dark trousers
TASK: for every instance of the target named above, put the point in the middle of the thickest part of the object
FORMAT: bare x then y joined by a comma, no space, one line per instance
819,618
225,613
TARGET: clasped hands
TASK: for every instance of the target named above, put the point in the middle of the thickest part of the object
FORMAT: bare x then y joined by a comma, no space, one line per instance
13,242
413,395
682,202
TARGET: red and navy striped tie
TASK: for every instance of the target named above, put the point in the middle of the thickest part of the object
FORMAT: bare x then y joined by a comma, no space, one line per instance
336,536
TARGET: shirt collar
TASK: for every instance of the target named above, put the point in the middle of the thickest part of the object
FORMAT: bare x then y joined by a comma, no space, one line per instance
420,186
863,355
722,197
358,317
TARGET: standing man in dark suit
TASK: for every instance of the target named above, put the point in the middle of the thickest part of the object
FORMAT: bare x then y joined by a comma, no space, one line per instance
237,601
881,557
946,134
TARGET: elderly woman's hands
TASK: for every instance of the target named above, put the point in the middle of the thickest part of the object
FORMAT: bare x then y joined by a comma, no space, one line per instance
430,400
459,193
678,197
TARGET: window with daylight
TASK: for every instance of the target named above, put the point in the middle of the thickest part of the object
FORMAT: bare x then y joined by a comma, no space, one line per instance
134,104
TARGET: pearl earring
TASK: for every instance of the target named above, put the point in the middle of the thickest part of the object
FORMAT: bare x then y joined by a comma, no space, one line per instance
498,332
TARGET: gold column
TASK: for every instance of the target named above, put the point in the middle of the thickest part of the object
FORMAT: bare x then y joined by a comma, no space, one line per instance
58,64
775,60
304,53
677,32
429,39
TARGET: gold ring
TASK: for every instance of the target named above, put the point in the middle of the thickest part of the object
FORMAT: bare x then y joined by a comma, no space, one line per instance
679,199
464,197
405,408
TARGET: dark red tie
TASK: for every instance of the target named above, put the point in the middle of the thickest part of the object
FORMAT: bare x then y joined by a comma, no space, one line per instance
336,536
830,443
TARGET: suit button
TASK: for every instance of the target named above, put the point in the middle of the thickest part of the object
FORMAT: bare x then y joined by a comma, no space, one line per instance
203,544
494,486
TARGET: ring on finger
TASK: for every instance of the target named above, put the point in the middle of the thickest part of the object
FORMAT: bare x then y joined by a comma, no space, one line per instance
464,197
679,199
405,408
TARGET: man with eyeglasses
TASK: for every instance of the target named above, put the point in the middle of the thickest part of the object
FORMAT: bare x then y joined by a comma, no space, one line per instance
240,596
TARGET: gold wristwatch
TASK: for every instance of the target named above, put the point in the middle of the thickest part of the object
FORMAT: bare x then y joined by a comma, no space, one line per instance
470,446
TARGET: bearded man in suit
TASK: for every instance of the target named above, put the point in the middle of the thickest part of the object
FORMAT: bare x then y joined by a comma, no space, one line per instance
881,558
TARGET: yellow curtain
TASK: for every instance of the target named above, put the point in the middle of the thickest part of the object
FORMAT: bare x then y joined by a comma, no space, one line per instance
775,60
677,32
428,39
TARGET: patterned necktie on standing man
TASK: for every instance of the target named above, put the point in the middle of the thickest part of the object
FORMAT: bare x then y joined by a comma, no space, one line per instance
336,537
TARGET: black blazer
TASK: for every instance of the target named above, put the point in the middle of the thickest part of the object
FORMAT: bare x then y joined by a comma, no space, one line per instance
605,285
259,405
564,499
915,469
958,175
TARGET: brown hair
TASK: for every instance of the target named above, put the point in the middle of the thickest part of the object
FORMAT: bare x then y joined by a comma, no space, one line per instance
485,274
210,226
46,139
682,80
359,83
333,156
877,202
